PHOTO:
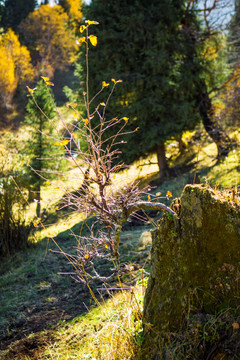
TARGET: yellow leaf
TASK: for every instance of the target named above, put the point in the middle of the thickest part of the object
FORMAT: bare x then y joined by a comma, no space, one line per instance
57,207
149,197
86,256
31,91
102,104
104,84
47,182
131,268
106,246
115,119
137,128
65,142
93,40
235,326
82,28
125,118
81,40
85,121
116,81
169,194
45,78
49,83
57,143
74,105
91,22
158,194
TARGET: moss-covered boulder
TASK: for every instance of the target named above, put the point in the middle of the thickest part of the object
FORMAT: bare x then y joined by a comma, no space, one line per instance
195,263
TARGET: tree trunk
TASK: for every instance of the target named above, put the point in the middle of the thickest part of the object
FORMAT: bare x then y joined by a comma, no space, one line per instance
38,197
213,128
181,145
204,102
162,160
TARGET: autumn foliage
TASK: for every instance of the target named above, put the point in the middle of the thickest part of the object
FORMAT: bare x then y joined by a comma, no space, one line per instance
73,8
47,35
15,66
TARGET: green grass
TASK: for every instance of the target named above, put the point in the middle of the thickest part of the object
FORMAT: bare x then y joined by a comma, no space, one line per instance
30,281
110,331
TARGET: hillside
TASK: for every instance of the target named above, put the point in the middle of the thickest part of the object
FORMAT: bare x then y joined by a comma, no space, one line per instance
44,310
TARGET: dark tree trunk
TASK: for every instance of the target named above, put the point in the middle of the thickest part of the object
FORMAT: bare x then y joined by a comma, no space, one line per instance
38,197
204,102
213,128
181,145
162,160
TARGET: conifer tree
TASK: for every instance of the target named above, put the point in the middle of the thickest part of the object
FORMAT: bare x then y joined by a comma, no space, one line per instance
234,35
156,49
141,44
14,12
46,154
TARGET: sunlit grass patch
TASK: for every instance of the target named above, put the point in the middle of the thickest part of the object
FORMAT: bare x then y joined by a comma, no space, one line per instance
227,173
110,331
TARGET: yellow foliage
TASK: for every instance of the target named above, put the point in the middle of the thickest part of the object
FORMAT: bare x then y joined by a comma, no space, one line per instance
51,41
82,28
73,9
93,40
20,55
81,40
169,194
15,65
91,22
217,107
7,71
105,84
211,53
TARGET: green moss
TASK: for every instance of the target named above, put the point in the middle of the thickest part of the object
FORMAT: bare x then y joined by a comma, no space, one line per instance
195,261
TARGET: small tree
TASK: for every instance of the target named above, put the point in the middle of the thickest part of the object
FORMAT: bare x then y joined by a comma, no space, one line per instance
46,157
97,195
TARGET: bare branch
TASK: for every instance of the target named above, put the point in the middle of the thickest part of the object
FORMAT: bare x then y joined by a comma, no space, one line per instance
147,205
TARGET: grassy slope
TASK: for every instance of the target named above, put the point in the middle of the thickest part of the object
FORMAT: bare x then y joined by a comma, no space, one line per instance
33,292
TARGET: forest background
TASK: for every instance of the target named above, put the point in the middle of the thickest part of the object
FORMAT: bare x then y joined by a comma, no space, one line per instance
174,69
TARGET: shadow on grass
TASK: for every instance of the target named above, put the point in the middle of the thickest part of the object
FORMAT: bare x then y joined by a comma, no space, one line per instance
35,297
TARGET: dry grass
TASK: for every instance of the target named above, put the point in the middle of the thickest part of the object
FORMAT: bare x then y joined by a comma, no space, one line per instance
112,331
